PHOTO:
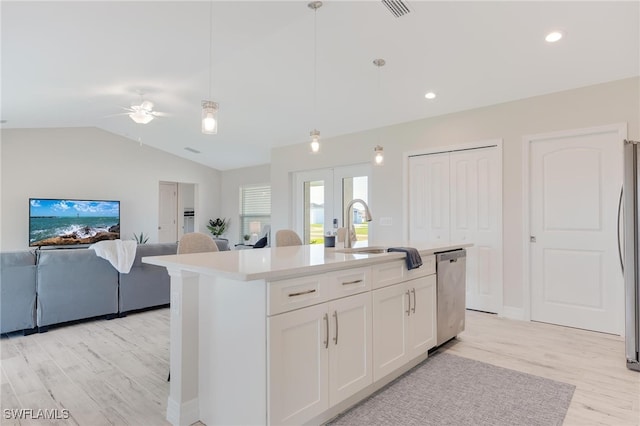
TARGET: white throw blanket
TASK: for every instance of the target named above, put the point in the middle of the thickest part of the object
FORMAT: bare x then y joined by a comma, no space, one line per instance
120,253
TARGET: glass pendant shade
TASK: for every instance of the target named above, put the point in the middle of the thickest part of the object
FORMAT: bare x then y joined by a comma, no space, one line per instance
209,117
315,141
379,155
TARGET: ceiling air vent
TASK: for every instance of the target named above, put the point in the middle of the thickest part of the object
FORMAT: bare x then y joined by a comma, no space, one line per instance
188,148
397,7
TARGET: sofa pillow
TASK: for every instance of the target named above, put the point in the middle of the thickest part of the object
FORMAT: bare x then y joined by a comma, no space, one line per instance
262,242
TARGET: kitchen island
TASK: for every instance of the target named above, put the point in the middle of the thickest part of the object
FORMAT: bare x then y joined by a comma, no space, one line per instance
293,335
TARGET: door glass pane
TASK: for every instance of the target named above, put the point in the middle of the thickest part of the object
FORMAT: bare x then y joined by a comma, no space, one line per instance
352,188
313,212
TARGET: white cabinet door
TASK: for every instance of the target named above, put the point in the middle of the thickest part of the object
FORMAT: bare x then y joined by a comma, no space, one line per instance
390,322
350,346
422,321
318,356
298,365
404,323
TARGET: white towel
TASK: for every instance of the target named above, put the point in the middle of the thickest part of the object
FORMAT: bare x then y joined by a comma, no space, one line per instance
120,253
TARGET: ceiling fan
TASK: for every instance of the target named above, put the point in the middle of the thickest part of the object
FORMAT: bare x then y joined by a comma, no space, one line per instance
143,112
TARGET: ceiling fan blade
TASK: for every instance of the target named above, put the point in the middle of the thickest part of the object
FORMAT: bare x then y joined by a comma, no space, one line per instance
160,114
116,115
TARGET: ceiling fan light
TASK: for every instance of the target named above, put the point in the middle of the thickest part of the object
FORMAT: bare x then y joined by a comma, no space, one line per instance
141,117
209,117
146,106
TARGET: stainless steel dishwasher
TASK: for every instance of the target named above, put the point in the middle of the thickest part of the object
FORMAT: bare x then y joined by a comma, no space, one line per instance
451,288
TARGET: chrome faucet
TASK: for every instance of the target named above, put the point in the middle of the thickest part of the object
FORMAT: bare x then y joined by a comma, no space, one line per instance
349,219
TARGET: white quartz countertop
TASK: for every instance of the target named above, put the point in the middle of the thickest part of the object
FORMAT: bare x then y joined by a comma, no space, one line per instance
281,262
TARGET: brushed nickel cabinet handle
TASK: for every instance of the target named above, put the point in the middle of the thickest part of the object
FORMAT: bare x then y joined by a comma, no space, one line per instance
335,339
326,321
313,290
408,311
413,310
352,282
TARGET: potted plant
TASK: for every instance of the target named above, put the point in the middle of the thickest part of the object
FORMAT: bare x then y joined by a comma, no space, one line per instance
218,227
141,239
246,238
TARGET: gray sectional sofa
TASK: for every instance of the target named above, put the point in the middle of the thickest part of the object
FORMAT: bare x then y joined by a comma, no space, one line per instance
18,291
56,286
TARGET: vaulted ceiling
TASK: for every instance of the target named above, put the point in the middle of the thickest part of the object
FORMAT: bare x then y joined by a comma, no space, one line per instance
76,64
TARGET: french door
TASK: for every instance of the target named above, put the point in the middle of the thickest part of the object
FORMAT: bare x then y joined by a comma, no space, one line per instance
320,199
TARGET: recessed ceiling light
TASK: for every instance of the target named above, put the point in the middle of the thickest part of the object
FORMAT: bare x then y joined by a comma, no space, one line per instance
430,95
553,36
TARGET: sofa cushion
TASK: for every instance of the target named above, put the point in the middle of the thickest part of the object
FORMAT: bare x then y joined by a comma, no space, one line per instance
17,291
74,284
146,285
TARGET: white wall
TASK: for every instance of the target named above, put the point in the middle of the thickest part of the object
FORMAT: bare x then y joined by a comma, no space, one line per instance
89,163
608,103
232,180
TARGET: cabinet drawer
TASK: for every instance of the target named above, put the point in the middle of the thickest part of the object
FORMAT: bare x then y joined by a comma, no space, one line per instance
385,274
294,293
349,281
428,268
389,273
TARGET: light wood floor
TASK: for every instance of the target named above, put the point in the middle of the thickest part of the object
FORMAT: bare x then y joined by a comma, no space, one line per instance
114,372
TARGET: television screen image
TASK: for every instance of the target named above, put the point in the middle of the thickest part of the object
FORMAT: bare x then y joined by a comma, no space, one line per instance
58,222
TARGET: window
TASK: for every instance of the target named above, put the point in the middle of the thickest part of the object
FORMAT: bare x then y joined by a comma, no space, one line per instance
255,210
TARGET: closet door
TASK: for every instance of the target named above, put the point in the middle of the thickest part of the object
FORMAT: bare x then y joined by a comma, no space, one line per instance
429,198
475,197
456,197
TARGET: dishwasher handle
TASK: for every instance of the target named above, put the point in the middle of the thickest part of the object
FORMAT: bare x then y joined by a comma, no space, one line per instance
450,256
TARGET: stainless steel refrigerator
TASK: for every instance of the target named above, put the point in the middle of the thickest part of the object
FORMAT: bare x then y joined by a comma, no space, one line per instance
630,256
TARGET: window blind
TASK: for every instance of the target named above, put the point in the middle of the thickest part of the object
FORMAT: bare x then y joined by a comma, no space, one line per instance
255,206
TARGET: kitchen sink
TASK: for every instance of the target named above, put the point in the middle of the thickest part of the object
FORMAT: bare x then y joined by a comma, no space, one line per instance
363,250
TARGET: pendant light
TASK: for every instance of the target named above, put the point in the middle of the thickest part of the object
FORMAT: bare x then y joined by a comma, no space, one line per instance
210,108
378,158
315,134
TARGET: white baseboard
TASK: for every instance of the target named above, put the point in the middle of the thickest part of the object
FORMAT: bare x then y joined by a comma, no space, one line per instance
183,414
512,312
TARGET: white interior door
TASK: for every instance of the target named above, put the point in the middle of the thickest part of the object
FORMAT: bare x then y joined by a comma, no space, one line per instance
429,198
575,179
475,199
456,197
168,212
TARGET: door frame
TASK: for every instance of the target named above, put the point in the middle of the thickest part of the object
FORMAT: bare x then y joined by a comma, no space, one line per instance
331,175
527,140
487,143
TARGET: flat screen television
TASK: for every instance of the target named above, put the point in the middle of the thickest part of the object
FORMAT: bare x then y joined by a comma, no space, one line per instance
63,222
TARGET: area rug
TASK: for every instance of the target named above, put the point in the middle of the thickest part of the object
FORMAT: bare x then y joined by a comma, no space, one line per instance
447,389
